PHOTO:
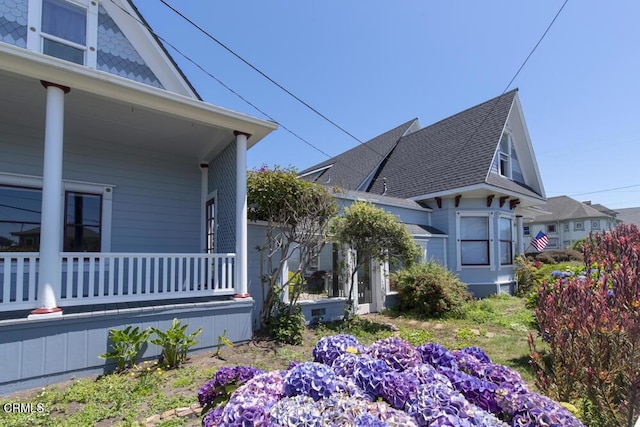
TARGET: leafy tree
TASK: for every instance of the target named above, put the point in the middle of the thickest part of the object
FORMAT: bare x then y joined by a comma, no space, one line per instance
373,234
297,214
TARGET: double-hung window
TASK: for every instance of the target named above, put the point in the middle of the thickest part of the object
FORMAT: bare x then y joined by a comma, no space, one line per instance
505,231
65,29
474,240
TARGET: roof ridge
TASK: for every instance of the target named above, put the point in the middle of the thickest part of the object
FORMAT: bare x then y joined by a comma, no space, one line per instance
494,99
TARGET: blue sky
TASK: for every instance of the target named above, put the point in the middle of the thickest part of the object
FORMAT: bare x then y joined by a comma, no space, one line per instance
372,65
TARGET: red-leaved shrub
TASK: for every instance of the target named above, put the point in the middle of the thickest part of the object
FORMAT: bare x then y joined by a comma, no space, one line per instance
591,324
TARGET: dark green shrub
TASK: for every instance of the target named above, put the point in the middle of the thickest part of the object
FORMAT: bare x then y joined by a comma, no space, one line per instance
565,255
430,290
545,258
287,324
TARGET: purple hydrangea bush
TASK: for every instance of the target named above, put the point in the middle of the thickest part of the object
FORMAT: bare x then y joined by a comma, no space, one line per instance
388,384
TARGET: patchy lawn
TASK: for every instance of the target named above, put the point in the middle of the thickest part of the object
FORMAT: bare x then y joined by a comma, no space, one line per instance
499,325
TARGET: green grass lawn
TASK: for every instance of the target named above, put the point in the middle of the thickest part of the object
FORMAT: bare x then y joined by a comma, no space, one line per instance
499,325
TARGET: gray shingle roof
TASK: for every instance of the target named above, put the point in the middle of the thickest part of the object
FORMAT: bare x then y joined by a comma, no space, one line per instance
629,215
419,230
565,208
352,167
342,193
452,153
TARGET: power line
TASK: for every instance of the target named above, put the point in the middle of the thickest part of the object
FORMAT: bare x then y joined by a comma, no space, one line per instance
605,190
263,74
495,103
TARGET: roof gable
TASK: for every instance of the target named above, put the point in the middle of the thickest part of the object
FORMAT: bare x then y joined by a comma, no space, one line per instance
351,169
131,25
111,37
453,153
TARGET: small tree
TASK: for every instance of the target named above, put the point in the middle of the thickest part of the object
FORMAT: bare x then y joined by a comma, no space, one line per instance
297,213
373,234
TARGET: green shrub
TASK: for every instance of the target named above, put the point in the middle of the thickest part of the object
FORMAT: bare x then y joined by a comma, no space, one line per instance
126,345
430,290
545,258
175,343
528,276
565,255
287,324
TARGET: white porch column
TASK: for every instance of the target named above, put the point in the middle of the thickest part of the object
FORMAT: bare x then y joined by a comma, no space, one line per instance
241,284
52,197
204,191
519,236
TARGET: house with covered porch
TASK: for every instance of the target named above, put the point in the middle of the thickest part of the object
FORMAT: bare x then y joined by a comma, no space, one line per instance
122,193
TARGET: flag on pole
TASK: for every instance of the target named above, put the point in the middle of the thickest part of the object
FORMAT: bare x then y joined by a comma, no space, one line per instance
540,241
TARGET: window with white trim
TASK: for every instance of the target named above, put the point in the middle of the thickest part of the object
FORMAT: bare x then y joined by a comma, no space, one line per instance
579,225
551,228
87,215
595,225
526,230
505,237
65,29
474,240
506,163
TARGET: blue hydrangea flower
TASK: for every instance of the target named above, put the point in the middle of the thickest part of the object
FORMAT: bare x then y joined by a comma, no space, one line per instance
327,349
368,374
311,379
396,353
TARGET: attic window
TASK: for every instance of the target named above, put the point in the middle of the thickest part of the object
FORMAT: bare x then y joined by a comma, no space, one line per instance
507,163
65,29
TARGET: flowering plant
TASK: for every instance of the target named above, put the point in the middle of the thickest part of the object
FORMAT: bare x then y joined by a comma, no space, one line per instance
391,384
224,383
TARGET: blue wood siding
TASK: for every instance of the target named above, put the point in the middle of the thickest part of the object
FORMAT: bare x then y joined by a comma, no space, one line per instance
50,350
156,199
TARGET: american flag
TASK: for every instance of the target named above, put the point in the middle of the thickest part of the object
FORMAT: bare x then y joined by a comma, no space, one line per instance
540,241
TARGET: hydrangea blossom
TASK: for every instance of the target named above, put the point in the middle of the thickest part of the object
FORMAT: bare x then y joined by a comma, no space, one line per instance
396,353
368,373
327,349
391,384
251,402
225,376
310,379
398,387
438,356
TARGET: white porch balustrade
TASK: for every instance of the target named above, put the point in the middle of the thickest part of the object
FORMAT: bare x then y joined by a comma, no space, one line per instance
103,278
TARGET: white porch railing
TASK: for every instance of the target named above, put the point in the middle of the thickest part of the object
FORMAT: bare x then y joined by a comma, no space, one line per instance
102,278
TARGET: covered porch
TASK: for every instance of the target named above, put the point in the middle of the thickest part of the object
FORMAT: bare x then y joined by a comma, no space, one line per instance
132,192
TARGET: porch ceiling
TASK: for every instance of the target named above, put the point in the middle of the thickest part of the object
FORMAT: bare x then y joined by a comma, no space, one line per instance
108,108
